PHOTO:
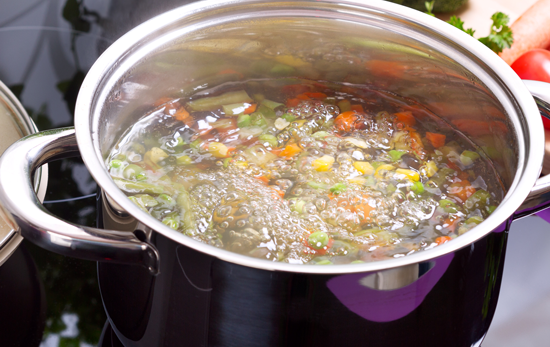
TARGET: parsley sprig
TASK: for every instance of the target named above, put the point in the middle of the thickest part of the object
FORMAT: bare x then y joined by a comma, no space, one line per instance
500,36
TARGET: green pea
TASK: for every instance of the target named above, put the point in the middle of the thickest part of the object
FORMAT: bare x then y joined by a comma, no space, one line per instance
131,171
142,176
115,164
318,240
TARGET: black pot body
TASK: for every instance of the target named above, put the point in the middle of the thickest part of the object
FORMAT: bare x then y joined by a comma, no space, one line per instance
199,300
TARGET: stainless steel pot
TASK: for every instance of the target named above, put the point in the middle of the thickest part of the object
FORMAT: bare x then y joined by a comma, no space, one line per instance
444,296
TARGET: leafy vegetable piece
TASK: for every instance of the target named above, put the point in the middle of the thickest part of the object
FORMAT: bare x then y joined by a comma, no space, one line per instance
266,111
501,34
459,23
338,188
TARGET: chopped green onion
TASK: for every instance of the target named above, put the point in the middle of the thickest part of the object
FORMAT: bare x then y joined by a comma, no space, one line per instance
338,188
171,222
115,164
132,171
318,240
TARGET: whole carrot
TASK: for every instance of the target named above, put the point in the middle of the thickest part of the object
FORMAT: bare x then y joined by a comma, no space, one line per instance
531,30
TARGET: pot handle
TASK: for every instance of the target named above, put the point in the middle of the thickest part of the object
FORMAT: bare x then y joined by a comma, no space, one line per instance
25,214
539,197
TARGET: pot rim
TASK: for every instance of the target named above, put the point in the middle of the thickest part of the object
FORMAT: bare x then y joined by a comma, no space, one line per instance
527,124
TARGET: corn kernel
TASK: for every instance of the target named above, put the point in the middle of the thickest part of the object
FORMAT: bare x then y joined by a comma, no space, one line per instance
431,168
385,167
410,174
363,167
217,149
324,163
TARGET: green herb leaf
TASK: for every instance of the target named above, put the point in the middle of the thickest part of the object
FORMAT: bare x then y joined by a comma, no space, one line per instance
429,7
501,34
459,23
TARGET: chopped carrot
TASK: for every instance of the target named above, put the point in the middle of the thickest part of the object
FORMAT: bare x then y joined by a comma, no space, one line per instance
263,179
346,121
406,118
315,95
293,102
277,151
277,193
442,239
250,109
303,97
181,114
385,68
437,140
290,150
463,189
357,108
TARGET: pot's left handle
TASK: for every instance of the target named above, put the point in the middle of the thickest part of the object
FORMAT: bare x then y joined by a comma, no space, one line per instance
25,214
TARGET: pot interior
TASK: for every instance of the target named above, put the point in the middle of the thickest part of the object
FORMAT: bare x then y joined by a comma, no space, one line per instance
380,46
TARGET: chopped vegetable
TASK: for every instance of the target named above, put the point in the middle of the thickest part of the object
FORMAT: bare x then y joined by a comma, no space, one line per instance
363,167
243,120
346,121
281,123
218,150
338,188
290,150
396,155
409,174
344,106
437,140
271,104
270,139
214,102
431,168
237,109
324,163
318,240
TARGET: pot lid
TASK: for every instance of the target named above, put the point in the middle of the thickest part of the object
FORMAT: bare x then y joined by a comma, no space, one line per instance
15,124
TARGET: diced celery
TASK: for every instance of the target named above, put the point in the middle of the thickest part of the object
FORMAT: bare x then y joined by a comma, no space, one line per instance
243,120
288,117
270,139
271,104
213,102
138,187
338,188
448,206
235,109
266,111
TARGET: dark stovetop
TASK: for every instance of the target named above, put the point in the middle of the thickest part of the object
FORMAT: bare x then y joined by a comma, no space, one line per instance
46,49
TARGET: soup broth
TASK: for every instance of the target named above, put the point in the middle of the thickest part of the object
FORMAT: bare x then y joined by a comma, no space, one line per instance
305,172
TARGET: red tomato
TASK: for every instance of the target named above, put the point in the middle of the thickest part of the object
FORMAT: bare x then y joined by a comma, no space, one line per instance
534,65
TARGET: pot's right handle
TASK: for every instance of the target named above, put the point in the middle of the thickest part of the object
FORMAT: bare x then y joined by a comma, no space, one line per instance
25,214
539,197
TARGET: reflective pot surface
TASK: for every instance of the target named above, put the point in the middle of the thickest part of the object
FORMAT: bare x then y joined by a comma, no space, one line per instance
183,292
200,300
